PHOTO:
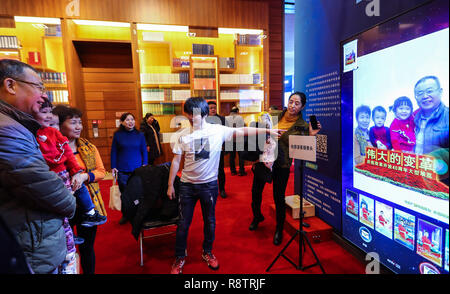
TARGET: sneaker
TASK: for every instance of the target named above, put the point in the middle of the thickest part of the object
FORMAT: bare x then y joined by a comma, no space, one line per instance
78,240
210,260
177,266
93,220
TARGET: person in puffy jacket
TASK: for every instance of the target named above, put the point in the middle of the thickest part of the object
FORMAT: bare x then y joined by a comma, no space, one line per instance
33,199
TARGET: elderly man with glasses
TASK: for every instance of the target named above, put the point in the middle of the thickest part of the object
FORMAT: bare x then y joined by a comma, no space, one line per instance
33,199
432,123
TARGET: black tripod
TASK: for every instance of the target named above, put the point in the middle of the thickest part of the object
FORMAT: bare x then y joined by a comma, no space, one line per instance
303,237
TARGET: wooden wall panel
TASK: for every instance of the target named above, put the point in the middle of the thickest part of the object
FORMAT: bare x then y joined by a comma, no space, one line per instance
276,52
213,13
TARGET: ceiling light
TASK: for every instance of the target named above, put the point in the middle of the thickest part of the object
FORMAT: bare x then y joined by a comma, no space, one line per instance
162,28
240,31
46,20
101,23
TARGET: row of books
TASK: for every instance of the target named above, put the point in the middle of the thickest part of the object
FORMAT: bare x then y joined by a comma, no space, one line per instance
53,77
151,95
198,63
165,78
204,73
203,49
9,42
205,94
247,106
247,79
242,94
52,30
181,62
58,96
226,62
249,40
159,109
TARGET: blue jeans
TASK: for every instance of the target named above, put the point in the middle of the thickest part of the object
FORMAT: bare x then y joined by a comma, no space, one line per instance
84,199
188,196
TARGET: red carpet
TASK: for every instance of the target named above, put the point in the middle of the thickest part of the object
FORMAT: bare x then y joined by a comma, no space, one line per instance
238,250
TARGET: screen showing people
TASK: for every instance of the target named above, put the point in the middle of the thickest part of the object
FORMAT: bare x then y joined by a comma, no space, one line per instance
395,169
401,124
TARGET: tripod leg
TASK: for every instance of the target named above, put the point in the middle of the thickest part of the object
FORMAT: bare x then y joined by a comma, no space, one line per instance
314,253
282,250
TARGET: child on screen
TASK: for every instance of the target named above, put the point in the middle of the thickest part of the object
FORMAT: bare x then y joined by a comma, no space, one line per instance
361,138
379,134
403,136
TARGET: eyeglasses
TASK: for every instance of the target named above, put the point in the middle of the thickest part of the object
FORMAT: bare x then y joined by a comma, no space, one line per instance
40,87
427,91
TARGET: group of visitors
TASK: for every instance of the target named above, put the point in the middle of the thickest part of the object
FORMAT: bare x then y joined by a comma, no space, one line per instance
40,167
50,198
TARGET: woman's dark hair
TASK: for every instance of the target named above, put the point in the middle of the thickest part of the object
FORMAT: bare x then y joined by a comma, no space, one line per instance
65,112
147,115
196,103
123,117
301,95
403,100
46,104
362,109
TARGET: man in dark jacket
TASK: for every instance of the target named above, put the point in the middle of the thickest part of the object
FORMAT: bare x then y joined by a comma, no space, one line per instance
33,199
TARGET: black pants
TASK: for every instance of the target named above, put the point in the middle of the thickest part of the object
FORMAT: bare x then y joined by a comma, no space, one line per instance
221,175
280,178
87,254
233,161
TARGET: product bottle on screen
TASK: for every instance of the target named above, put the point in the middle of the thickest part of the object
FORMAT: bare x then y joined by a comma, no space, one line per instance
313,121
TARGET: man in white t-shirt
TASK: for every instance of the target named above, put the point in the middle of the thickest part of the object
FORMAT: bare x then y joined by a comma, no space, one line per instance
201,145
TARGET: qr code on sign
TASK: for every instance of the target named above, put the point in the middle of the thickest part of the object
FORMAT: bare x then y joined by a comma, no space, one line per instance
322,143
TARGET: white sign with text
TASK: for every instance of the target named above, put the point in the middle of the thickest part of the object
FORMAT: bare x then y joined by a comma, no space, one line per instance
302,147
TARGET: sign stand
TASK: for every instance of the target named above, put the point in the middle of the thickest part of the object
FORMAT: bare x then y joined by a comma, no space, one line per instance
300,232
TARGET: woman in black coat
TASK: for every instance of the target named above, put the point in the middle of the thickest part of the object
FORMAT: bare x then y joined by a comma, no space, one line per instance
150,128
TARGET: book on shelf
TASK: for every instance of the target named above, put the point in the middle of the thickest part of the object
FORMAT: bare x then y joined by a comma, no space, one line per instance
58,96
53,77
204,73
161,95
53,30
249,40
236,94
205,94
198,63
9,42
165,78
226,62
159,109
182,62
246,79
203,49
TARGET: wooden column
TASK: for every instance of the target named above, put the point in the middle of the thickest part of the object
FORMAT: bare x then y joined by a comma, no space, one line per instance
276,52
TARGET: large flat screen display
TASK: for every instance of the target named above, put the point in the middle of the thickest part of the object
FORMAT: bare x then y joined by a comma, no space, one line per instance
395,140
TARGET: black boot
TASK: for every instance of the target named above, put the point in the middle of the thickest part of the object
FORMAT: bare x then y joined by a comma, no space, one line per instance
256,220
278,237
